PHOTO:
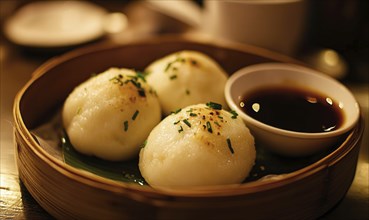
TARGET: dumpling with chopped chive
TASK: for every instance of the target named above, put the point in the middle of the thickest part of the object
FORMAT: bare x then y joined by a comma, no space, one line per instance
111,114
199,145
186,78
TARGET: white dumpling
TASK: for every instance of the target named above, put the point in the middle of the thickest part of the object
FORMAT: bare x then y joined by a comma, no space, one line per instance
198,146
111,114
186,78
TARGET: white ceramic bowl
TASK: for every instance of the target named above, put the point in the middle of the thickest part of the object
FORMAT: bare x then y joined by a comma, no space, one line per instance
286,142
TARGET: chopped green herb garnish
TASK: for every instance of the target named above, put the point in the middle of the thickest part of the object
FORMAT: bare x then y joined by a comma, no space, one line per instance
187,122
219,116
141,75
234,114
208,126
135,115
173,77
190,110
177,111
215,122
144,144
180,130
125,125
193,114
168,66
176,122
135,83
171,63
142,93
133,79
117,80
214,105
194,62
230,145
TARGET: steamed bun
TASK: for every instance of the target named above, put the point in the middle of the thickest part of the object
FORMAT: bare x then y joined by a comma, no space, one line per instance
198,146
111,114
186,78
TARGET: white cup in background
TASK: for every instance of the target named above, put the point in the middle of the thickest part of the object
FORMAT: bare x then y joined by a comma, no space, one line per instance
276,25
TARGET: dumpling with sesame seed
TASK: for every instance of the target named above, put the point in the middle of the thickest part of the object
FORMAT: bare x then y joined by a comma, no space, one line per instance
199,145
111,114
186,78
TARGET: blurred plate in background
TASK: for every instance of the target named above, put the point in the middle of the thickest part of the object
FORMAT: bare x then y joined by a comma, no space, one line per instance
58,24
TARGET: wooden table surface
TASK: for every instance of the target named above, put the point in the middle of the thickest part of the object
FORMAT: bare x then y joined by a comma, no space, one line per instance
16,202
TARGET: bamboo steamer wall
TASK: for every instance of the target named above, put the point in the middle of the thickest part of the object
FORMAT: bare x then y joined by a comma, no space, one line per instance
68,193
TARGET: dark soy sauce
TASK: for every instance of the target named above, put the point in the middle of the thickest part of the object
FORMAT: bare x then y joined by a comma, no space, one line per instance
293,109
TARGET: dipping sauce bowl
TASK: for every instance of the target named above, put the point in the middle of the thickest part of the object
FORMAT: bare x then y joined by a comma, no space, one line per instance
290,109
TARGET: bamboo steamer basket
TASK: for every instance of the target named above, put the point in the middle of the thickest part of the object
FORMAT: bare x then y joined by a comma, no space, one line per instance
70,193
